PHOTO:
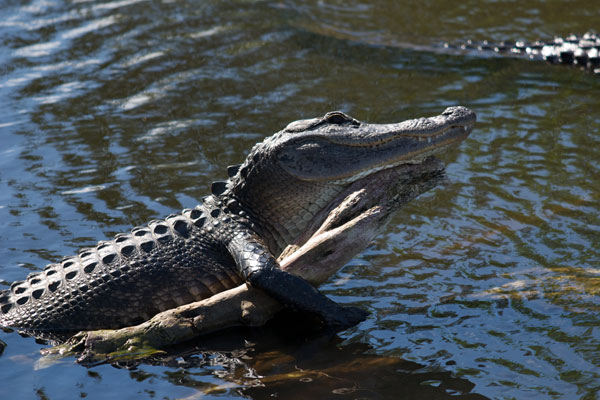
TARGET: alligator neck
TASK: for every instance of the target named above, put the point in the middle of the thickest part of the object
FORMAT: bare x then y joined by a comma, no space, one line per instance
280,216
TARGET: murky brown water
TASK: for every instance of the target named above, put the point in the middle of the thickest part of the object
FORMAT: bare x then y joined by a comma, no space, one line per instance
117,112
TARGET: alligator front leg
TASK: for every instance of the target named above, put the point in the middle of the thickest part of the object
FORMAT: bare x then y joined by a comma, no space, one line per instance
259,268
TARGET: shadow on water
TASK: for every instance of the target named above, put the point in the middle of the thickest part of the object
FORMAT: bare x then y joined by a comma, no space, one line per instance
290,359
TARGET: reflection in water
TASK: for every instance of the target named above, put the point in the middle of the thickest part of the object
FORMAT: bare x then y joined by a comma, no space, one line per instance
117,112
295,362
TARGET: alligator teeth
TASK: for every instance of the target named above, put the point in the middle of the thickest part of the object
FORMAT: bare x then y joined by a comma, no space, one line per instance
424,138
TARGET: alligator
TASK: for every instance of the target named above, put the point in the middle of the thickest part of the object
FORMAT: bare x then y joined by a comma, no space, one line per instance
234,235
582,51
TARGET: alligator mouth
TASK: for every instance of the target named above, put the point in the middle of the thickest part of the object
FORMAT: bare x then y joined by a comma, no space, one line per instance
438,141
412,148
457,132
455,122
343,153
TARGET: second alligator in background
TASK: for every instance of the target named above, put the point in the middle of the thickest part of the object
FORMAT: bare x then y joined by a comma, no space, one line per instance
581,51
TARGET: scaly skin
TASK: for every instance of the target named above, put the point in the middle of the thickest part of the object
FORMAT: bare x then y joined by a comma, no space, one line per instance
580,51
235,235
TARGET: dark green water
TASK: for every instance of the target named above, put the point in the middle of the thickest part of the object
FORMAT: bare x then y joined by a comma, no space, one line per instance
117,112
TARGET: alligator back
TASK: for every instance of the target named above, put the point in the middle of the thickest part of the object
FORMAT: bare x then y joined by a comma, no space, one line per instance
126,280
578,50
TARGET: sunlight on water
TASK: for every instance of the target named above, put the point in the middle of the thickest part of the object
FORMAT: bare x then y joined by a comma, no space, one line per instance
91,26
38,50
119,112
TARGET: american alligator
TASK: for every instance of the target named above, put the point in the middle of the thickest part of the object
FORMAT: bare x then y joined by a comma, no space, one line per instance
582,51
234,235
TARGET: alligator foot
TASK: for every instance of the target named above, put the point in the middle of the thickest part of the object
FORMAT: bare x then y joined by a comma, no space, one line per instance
296,293
345,317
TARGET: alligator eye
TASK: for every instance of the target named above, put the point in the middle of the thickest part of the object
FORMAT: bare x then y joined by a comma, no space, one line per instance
338,117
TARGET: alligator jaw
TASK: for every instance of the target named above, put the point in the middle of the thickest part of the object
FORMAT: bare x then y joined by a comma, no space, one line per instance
424,146
344,152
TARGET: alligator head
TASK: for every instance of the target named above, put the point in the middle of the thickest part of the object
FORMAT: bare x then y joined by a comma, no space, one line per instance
292,175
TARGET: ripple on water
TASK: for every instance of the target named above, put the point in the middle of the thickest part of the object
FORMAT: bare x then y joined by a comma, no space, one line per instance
117,112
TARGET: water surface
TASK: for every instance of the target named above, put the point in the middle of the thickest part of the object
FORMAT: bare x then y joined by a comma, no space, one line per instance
118,112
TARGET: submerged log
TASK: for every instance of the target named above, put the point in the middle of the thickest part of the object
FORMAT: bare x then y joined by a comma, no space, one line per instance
334,237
